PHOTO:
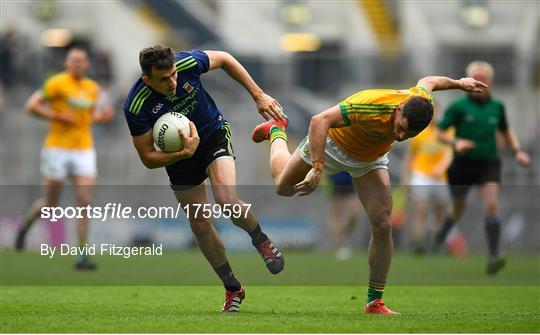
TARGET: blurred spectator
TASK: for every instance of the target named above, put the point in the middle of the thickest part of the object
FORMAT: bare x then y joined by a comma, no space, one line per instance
344,212
425,178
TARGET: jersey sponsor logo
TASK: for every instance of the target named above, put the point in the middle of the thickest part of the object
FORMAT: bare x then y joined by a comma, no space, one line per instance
187,104
187,86
157,108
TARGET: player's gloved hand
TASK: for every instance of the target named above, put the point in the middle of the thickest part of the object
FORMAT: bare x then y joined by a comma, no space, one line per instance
190,143
269,107
462,146
310,183
472,85
522,158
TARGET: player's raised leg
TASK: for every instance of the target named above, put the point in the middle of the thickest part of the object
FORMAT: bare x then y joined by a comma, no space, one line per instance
212,246
375,193
84,186
287,170
52,189
222,173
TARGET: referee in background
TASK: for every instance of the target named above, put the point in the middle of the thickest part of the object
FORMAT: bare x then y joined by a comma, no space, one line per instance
477,117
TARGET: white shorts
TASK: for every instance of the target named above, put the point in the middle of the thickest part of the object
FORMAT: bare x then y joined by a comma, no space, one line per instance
337,160
424,187
57,164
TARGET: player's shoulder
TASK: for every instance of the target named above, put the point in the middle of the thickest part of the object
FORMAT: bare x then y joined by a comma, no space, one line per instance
137,98
497,102
90,83
185,60
195,59
60,77
420,91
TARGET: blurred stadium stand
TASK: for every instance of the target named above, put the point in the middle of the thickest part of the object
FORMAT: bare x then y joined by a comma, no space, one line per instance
349,46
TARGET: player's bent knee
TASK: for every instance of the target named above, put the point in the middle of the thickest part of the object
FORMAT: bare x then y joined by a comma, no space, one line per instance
285,190
381,225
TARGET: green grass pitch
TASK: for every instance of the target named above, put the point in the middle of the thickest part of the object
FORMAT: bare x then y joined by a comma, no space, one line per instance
178,292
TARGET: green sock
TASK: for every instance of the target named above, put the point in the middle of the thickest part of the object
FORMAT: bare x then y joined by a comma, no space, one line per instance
375,290
276,132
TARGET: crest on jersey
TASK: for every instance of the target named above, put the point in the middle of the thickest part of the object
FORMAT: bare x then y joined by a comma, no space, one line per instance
187,86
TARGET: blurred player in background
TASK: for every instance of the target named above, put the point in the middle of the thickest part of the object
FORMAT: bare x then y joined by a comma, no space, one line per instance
477,117
344,212
355,136
171,82
425,177
68,100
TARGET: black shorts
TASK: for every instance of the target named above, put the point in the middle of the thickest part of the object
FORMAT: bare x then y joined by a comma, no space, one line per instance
465,172
191,172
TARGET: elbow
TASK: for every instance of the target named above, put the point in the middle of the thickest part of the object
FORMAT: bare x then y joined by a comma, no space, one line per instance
316,121
29,108
149,164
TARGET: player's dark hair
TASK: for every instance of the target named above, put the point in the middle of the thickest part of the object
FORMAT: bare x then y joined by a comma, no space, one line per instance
159,57
418,111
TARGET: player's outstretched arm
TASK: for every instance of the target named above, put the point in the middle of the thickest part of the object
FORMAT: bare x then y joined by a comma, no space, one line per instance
318,130
267,106
153,159
436,83
38,106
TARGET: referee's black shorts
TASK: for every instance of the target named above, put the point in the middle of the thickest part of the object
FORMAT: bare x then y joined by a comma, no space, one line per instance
466,172
191,172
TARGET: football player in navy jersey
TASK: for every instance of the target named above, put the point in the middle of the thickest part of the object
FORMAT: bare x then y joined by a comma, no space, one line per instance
171,83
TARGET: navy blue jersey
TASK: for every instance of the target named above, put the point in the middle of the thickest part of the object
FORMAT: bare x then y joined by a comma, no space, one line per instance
144,106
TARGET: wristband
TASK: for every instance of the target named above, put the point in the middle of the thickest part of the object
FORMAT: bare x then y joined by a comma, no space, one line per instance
318,165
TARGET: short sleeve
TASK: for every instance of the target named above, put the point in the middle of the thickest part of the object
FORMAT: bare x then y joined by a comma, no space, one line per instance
353,114
138,124
503,122
51,88
449,118
196,62
422,92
